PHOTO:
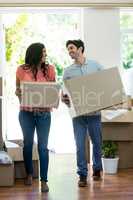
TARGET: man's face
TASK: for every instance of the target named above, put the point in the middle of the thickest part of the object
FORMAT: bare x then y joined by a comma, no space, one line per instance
73,51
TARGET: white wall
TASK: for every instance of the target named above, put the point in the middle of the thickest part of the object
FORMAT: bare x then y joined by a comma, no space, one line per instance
102,35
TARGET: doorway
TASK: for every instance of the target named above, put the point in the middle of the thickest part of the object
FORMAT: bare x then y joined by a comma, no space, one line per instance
53,28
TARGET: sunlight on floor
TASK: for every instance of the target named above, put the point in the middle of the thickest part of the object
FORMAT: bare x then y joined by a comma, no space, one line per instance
61,135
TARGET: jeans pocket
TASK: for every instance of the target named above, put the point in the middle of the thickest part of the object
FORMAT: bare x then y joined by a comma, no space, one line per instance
44,114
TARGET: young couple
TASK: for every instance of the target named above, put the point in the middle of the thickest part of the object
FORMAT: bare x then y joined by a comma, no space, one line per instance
36,69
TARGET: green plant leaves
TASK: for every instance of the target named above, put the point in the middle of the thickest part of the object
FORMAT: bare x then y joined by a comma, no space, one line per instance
109,149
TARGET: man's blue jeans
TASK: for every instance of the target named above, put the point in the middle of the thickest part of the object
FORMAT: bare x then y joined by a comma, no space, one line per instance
29,121
82,126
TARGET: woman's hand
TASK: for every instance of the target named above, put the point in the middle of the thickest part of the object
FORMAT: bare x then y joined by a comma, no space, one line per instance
18,93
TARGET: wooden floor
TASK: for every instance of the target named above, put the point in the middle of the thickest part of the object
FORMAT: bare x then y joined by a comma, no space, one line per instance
63,184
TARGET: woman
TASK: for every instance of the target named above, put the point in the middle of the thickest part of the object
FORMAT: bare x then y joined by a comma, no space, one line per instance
35,69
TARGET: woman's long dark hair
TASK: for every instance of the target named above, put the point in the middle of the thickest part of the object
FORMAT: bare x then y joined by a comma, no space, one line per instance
33,57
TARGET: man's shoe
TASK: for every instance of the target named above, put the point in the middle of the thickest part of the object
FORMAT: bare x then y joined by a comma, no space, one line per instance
82,181
44,187
28,180
96,175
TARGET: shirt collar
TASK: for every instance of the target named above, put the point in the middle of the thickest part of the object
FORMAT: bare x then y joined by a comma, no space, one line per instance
85,63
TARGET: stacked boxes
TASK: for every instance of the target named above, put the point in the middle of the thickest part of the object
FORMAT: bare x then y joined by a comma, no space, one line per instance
6,170
15,150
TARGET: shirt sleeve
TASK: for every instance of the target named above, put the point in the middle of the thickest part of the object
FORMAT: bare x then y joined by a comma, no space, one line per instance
100,67
66,74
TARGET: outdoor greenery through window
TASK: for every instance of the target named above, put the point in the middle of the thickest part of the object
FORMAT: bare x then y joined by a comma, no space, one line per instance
126,25
53,29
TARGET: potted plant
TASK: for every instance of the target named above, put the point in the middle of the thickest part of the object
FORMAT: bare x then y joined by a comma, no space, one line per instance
109,157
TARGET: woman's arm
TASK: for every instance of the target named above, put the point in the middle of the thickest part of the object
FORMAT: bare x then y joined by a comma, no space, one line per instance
18,90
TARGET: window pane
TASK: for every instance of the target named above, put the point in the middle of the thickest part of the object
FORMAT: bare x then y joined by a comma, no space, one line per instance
126,26
126,19
53,30
127,50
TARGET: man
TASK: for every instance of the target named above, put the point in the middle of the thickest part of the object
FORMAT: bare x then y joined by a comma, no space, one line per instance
84,124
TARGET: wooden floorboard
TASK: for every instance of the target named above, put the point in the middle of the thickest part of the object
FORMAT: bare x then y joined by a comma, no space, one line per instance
63,184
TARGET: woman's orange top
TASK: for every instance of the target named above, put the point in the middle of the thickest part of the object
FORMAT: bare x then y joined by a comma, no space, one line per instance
25,74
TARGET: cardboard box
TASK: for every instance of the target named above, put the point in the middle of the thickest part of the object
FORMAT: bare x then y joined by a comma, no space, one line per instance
125,152
6,174
122,134
15,150
95,91
40,94
20,169
6,170
119,115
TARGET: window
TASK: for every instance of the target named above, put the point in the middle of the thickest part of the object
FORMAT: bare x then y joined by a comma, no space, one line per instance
53,28
126,25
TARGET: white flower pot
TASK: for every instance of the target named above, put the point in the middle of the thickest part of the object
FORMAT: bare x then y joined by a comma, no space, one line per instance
110,165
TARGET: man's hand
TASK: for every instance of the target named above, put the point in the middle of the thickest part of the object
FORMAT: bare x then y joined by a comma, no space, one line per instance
65,99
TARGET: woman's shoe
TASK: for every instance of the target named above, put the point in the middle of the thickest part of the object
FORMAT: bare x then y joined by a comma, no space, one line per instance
97,175
44,187
28,180
82,181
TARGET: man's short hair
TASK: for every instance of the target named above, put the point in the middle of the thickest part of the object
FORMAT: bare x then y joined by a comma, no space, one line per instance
78,43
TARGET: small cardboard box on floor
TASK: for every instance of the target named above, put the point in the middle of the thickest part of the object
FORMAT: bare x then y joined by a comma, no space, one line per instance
15,151
6,170
94,92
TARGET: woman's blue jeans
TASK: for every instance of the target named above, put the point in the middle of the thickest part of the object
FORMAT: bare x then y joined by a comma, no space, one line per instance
82,126
29,121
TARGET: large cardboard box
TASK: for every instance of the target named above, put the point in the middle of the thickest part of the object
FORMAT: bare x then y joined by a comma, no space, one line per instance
122,134
15,150
20,169
6,174
95,91
120,130
6,170
119,115
40,94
